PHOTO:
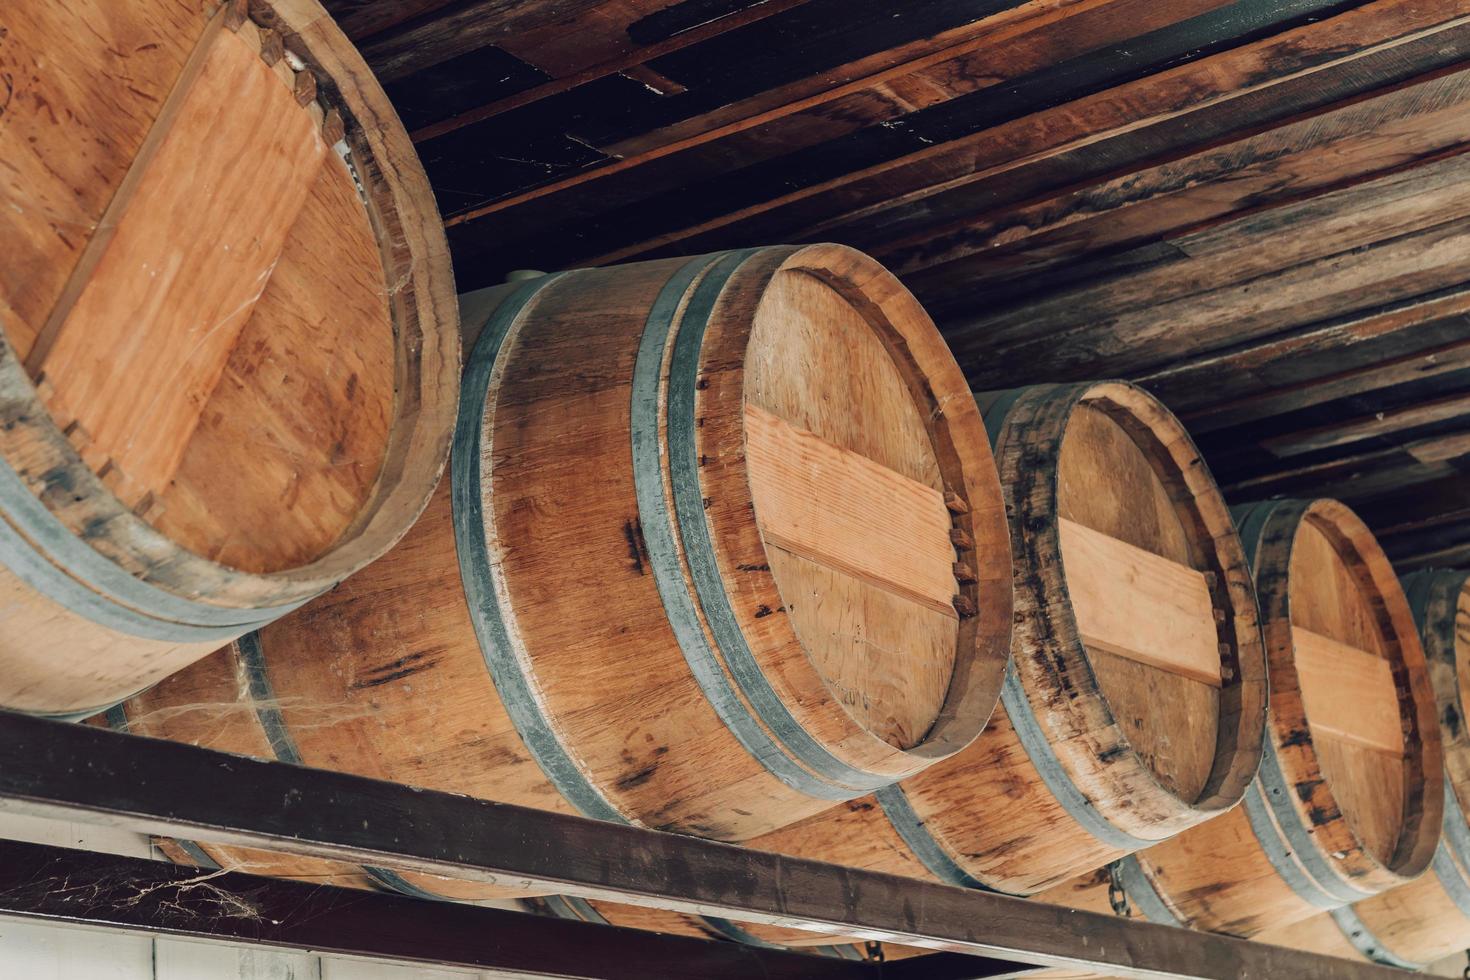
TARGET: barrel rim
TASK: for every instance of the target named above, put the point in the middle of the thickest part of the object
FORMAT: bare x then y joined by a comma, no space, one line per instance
1290,735
940,390
417,269
1434,595
1030,471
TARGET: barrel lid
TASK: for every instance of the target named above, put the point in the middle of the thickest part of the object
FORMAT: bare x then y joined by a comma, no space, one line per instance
876,499
246,390
1138,644
1356,740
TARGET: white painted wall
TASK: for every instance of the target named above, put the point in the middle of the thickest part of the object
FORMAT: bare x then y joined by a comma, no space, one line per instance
48,952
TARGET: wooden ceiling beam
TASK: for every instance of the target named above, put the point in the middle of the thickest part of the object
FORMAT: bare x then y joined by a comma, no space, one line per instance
1366,172
1386,423
881,88
1251,87
1428,506
1123,340
1318,362
627,60
1364,476
1296,163
1005,132
361,19
1117,105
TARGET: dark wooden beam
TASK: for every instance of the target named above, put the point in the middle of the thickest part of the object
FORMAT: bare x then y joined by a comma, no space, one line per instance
1400,134
1118,329
1351,478
626,62
54,769
73,887
868,92
1087,118
1217,67
458,28
1421,337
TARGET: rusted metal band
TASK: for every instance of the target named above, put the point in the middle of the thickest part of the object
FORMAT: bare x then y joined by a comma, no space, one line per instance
1055,776
720,660
1143,895
915,833
42,552
1365,942
482,581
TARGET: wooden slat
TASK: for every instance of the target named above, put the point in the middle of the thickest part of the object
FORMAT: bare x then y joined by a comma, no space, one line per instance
1378,424
994,145
1343,148
1134,340
1138,605
1319,362
822,108
1349,695
620,62
841,509
1234,91
155,314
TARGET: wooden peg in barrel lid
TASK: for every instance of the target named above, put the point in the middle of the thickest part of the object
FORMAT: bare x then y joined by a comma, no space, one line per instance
1349,800
724,545
230,361
1136,701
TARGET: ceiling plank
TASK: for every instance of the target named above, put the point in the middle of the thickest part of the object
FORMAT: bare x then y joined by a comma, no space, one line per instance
1296,162
1379,424
1113,94
1318,362
1136,339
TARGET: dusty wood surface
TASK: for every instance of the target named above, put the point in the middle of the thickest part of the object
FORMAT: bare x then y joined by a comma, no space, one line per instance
1251,207
237,312
386,676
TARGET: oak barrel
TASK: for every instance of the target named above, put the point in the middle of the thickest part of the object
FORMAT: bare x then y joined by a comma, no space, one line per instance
1135,702
1427,919
230,355
1349,799
724,545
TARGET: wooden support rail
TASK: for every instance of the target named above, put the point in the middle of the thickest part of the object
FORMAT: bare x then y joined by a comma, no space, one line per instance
52,769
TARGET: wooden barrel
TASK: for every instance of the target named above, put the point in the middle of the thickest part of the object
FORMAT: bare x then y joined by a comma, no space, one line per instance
1349,799
229,362
1429,918
1135,703
724,545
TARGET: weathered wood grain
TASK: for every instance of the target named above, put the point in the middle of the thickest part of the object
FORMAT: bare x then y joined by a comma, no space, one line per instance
1318,362
1047,117
209,169
840,509
194,244
1380,423
1136,604
1273,170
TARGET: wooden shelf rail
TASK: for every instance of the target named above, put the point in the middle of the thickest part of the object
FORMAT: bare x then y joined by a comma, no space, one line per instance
62,771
